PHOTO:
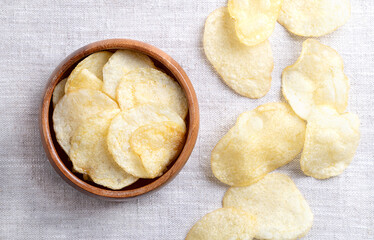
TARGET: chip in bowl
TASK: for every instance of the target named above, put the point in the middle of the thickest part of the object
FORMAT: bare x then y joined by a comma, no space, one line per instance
90,155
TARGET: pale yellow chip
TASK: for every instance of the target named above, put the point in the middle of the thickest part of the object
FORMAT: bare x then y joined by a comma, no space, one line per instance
157,145
122,62
317,78
94,63
247,70
76,107
331,141
84,79
281,210
148,85
224,223
261,141
58,92
123,128
90,155
314,18
254,19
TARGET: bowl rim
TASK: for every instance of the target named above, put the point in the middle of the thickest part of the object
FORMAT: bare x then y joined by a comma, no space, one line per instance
114,44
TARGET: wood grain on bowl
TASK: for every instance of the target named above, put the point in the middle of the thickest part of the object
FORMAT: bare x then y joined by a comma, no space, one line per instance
58,158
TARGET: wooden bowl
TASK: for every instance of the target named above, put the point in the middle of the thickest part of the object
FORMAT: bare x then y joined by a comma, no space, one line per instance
58,158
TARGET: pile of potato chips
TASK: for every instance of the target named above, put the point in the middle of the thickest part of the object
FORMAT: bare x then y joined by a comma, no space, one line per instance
314,122
119,118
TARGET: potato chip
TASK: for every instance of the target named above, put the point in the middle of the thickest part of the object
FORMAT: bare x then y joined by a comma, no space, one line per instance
90,155
84,79
261,141
58,92
247,70
331,141
224,223
157,144
254,19
147,85
317,78
123,128
122,62
281,210
93,63
76,107
314,18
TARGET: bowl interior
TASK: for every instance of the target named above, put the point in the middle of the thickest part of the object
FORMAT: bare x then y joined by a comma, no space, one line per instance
142,185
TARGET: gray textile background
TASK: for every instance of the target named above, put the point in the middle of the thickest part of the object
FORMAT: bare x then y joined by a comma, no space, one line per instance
35,203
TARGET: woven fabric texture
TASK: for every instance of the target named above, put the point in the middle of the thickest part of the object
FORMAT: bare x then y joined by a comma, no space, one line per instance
35,203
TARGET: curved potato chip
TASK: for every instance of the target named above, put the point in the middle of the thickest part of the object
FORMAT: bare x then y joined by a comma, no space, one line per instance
148,85
83,79
224,223
58,92
246,70
281,210
122,62
254,19
123,127
331,141
90,155
94,63
261,141
74,108
157,145
316,78
314,18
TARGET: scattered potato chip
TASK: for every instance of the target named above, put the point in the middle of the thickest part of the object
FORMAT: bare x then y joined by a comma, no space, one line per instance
254,19
247,70
157,144
126,125
224,223
122,62
317,78
331,141
93,63
148,85
84,79
58,92
281,210
76,107
90,155
261,141
314,18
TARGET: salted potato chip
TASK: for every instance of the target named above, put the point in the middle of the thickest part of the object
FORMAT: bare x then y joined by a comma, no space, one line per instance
90,155
120,63
314,18
157,145
224,223
58,92
76,107
316,78
281,210
261,141
247,70
84,79
254,19
148,85
125,126
331,141
94,63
